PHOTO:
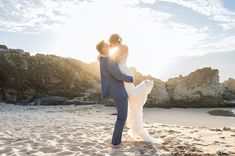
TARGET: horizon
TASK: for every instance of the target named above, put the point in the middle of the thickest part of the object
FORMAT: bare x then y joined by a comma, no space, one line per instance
165,32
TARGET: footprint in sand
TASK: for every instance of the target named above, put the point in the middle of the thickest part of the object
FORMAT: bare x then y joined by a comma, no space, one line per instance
74,148
64,153
59,140
35,145
50,149
196,139
222,137
31,152
7,140
187,137
99,146
6,150
85,144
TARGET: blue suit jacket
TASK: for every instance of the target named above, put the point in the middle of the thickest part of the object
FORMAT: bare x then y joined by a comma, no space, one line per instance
112,79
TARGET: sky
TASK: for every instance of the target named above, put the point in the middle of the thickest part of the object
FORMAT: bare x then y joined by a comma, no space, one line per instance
157,32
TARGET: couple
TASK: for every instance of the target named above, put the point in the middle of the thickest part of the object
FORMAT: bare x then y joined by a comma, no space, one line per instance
117,83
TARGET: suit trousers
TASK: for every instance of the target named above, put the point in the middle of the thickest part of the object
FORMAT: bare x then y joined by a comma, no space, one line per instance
122,109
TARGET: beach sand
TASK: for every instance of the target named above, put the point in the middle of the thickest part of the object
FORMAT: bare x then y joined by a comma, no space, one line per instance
86,130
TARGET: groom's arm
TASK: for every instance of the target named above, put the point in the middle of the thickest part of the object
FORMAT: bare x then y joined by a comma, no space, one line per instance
113,68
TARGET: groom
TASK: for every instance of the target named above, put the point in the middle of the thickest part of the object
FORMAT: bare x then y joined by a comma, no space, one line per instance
113,87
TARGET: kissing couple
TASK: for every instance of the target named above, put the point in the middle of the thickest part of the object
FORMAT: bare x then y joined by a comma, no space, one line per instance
117,84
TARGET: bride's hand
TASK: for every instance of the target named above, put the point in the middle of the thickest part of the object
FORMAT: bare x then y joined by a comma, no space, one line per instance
132,74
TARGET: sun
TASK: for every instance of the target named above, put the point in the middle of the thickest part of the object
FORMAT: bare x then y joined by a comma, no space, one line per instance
112,51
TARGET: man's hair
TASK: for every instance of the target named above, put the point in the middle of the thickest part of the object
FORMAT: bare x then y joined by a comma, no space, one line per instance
99,46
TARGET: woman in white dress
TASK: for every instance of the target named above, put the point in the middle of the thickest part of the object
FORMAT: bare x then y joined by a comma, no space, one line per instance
137,95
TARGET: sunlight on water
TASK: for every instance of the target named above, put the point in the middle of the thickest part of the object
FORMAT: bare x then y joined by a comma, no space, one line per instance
233,110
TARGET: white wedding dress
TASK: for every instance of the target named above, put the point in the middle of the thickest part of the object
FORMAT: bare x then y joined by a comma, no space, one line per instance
137,96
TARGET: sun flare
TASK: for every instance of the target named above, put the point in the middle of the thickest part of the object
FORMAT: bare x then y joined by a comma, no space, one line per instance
112,51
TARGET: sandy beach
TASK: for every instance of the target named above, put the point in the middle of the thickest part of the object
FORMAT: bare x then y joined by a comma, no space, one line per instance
86,130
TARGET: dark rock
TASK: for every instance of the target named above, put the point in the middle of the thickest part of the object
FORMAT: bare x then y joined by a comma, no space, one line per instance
229,95
52,100
226,129
16,51
24,78
216,129
78,102
221,113
230,83
222,153
229,91
3,46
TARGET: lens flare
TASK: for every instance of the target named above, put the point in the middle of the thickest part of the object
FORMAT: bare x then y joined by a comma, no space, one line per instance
112,51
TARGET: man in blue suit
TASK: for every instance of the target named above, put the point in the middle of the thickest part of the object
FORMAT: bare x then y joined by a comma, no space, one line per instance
112,87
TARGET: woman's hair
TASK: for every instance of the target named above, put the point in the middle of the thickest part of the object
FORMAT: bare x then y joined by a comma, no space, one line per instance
122,50
115,38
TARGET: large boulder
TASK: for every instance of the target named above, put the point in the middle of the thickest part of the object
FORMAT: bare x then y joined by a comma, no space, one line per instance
26,78
230,84
200,88
229,93
3,47
159,97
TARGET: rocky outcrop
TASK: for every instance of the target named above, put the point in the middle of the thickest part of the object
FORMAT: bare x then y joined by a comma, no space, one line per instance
229,93
24,78
230,84
199,88
49,80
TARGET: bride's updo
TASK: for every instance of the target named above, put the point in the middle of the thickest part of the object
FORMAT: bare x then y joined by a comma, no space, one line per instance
122,50
114,39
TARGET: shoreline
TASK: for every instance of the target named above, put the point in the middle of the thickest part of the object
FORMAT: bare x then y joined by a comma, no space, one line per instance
195,117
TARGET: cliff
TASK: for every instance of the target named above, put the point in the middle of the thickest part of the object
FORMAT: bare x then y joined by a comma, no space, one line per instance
51,80
24,78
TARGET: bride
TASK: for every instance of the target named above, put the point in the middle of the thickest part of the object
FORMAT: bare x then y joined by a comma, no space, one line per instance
137,95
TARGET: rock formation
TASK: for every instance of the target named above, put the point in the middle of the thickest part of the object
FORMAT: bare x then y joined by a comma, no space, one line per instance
199,88
49,80
24,78
229,93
